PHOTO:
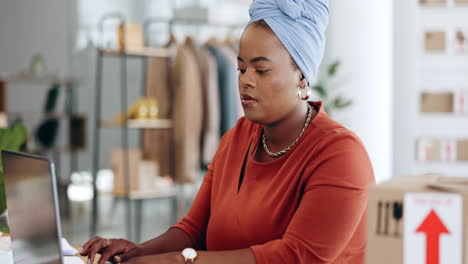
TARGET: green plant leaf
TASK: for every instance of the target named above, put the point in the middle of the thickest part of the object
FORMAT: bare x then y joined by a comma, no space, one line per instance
10,139
339,102
333,69
320,89
13,138
3,132
4,229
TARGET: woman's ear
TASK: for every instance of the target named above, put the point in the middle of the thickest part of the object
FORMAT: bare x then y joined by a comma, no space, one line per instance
303,82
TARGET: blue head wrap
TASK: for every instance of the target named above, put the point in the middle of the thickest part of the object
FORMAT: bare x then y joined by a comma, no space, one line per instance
300,25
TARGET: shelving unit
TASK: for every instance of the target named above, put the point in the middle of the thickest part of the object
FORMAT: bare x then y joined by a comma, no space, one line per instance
128,195
68,85
442,68
123,56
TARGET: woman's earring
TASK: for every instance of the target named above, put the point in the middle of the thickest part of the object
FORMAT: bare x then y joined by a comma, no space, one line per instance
304,93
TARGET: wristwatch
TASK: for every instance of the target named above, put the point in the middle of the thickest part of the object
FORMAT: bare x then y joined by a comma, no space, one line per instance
189,255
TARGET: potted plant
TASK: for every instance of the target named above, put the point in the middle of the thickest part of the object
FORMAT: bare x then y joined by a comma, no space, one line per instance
12,139
323,89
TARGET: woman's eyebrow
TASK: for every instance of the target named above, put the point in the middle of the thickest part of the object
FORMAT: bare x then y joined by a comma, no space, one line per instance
257,59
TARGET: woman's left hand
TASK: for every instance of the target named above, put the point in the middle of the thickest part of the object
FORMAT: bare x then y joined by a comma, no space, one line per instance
166,258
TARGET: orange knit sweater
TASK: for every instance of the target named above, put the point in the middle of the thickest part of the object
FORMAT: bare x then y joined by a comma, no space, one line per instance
306,207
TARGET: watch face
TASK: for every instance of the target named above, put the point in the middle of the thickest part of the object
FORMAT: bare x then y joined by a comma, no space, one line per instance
189,254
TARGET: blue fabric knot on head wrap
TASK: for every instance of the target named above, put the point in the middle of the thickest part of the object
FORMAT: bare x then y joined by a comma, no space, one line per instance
300,25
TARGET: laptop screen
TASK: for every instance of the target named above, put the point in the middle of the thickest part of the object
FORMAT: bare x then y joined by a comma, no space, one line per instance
32,208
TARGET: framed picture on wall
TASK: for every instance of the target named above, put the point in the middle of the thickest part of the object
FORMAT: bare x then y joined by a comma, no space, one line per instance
461,41
433,2
434,41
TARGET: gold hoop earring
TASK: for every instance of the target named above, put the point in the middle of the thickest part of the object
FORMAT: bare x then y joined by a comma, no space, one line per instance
304,93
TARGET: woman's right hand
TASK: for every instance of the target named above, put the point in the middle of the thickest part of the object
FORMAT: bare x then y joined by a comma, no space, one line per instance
114,250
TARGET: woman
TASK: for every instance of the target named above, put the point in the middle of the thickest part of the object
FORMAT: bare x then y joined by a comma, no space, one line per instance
287,184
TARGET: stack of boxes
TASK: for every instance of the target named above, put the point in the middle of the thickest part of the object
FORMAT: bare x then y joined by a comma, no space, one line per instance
443,149
142,173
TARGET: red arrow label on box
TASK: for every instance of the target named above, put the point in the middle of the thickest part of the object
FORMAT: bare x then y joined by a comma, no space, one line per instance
433,227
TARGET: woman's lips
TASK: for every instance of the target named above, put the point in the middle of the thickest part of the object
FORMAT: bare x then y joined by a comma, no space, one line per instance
247,100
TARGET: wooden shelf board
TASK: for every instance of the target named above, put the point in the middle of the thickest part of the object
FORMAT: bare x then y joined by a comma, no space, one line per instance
152,194
144,52
156,124
39,80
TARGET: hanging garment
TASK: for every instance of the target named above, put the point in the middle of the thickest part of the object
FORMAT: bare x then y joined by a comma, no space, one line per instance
229,52
187,115
211,108
47,131
227,80
157,142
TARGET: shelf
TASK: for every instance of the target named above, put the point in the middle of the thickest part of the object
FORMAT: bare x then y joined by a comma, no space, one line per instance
155,124
443,114
57,149
152,194
453,169
41,116
144,52
39,80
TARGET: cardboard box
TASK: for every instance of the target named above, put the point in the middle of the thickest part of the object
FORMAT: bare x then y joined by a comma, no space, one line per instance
148,170
437,102
461,102
389,220
461,39
433,149
141,172
130,37
433,2
435,41
448,150
462,150
117,165
428,149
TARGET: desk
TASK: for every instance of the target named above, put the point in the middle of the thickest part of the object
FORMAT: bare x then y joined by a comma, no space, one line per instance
85,259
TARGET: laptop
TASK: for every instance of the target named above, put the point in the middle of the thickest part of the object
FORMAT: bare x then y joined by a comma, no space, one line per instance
33,211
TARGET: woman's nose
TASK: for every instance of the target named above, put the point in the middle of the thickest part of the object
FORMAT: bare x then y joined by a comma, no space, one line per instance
246,79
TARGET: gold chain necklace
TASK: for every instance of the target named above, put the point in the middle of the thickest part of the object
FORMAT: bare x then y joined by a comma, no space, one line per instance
284,151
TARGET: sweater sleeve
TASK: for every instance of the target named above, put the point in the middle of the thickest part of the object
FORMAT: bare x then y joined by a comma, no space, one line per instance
195,222
333,204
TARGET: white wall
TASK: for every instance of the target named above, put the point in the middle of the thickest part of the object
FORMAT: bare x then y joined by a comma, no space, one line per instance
405,92
28,27
360,35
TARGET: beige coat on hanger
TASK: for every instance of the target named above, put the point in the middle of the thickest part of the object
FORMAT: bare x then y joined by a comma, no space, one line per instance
157,142
211,109
187,115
